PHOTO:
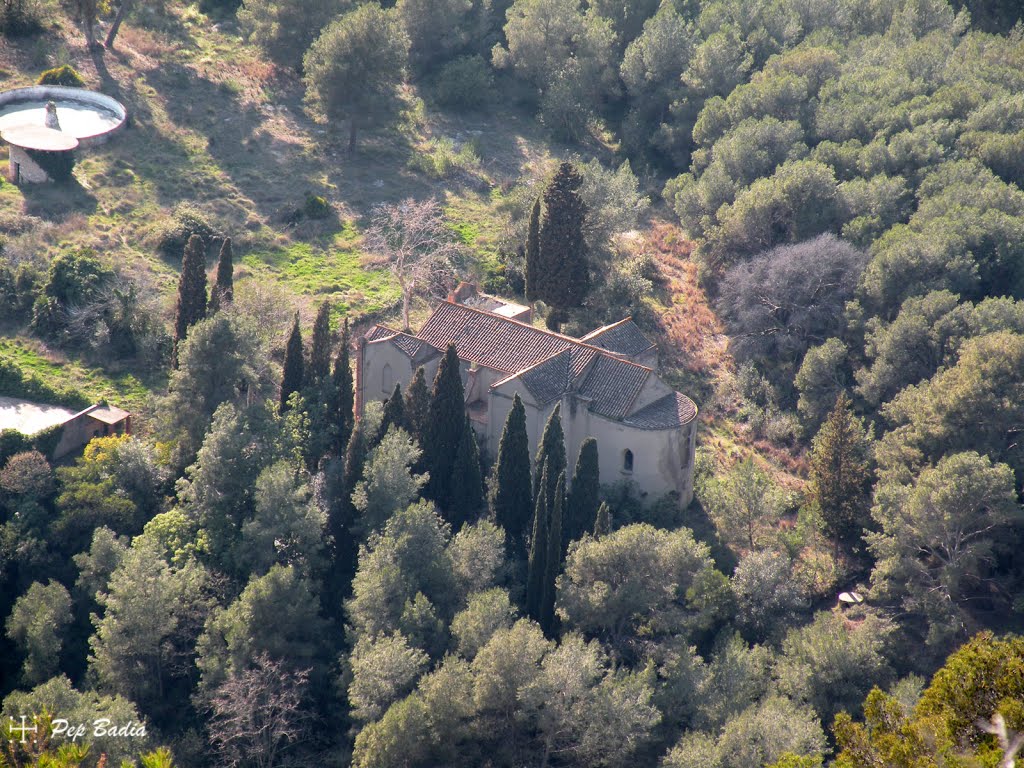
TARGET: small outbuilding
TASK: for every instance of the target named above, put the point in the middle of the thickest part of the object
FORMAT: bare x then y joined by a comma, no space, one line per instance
76,428
39,154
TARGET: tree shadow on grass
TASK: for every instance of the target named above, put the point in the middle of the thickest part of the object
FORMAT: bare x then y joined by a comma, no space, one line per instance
56,201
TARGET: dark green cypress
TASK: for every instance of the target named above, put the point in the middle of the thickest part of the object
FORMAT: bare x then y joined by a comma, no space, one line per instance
320,346
603,524
584,497
394,413
291,380
564,273
553,561
355,459
534,284
344,547
511,494
551,452
191,306
467,481
224,288
538,550
343,394
417,404
445,418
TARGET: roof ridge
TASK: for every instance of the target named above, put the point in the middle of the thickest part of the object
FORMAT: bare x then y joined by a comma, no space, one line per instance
603,328
544,331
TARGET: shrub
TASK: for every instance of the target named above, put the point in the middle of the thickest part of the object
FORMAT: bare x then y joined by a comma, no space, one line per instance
21,18
316,207
62,75
441,159
14,383
464,83
220,8
187,220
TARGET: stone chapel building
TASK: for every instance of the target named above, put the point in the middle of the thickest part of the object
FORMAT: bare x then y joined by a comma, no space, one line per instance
605,382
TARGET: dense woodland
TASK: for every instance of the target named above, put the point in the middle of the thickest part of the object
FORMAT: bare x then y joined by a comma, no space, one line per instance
264,580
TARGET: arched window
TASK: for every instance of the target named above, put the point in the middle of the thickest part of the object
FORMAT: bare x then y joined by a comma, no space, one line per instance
387,379
627,460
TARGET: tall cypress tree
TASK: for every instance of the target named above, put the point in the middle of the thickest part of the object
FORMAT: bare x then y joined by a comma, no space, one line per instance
538,550
343,394
355,459
467,482
603,524
344,547
394,413
584,497
551,453
534,276
445,419
564,273
320,346
511,494
840,484
223,292
553,560
417,404
291,380
191,307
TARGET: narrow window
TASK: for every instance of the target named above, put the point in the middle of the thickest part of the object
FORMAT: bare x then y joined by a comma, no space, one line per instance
627,460
387,382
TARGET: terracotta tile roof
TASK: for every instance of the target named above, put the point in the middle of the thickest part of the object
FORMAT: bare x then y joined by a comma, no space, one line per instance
672,410
416,349
490,340
550,364
551,378
379,332
612,385
622,338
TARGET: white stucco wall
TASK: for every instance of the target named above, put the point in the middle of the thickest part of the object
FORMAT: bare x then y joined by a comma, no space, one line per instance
662,459
372,362
31,173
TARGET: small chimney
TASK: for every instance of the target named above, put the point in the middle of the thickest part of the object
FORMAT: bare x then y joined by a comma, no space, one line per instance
462,292
50,121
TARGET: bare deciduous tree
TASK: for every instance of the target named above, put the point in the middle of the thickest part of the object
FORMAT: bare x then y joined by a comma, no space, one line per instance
259,713
411,239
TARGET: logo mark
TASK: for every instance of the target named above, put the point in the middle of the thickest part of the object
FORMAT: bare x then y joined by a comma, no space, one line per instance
22,729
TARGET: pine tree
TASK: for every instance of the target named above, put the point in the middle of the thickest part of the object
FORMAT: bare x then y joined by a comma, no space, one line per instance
417,404
343,395
553,560
840,481
564,273
584,497
467,481
551,453
224,289
511,495
445,419
394,413
291,380
538,550
534,285
191,307
320,346
603,524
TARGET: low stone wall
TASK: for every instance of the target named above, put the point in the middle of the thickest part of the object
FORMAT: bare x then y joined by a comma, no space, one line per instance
44,93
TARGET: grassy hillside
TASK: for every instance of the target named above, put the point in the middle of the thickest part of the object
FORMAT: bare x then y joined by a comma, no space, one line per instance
215,126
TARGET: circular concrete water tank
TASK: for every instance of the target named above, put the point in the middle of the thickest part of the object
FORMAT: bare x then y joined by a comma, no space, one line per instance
89,116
